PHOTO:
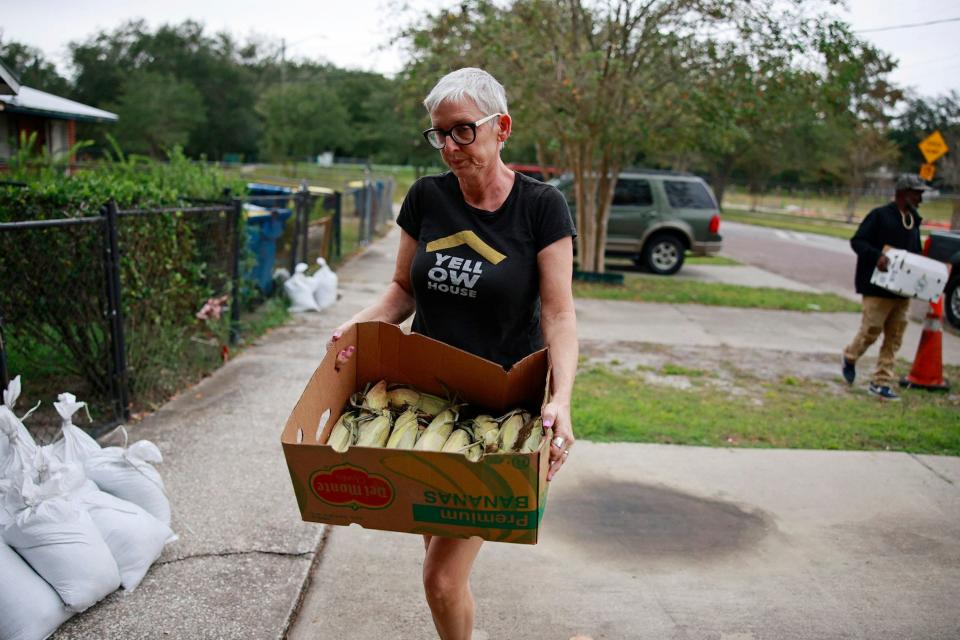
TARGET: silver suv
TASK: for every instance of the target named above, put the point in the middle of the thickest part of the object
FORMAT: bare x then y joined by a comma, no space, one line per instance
657,216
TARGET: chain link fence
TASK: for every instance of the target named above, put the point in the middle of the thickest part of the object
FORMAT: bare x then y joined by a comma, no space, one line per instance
88,321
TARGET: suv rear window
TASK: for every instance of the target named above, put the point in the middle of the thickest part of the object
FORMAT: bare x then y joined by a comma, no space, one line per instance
688,195
632,193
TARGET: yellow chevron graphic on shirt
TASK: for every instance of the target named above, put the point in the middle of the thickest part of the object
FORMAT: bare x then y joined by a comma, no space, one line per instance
470,239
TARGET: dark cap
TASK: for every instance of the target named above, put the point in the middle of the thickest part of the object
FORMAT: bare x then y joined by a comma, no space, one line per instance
911,182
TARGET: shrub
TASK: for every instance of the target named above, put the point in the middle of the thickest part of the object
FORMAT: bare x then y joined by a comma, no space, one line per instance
54,299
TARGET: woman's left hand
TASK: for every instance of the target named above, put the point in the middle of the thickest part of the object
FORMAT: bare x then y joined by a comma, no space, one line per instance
557,417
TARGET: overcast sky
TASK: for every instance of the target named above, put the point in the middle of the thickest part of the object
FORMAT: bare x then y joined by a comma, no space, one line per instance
350,33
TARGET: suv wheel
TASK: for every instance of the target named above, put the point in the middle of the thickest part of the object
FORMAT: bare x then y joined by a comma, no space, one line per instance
951,304
663,254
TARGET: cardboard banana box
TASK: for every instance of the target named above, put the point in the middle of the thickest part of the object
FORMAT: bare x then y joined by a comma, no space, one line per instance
499,498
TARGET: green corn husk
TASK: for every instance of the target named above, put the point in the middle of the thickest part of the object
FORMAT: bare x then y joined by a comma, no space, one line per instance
486,430
474,452
437,432
405,431
341,436
461,441
510,428
374,432
376,399
457,441
403,397
535,435
432,405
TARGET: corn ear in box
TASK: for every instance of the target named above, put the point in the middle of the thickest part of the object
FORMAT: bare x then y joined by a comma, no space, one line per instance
487,431
403,397
374,432
376,398
510,429
432,405
405,431
341,436
437,432
532,442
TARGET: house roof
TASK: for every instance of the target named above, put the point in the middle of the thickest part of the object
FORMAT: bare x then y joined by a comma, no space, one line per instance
8,82
40,103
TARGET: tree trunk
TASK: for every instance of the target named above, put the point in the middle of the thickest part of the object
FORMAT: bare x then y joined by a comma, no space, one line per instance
719,178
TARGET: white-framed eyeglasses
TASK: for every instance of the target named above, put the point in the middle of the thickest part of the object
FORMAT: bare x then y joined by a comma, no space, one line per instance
462,134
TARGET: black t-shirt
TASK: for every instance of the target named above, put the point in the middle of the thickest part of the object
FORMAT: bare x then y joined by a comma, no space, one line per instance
882,226
475,276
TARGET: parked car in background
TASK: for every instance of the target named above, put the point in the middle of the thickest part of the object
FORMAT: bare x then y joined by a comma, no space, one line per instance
945,247
657,217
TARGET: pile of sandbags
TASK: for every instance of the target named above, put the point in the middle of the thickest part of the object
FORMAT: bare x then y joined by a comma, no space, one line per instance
77,521
311,292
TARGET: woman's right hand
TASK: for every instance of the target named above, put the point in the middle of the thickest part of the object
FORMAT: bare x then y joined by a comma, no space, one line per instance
345,354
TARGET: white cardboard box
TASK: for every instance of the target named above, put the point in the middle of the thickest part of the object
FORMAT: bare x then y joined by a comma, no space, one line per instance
912,275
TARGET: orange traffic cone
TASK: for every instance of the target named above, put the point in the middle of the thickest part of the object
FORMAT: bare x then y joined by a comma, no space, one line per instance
927,371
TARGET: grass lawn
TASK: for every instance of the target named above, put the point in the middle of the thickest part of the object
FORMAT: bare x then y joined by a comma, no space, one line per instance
621,406
792,223
645,288
812,203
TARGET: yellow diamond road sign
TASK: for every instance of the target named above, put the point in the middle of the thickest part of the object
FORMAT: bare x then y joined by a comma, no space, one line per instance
933,147
927,171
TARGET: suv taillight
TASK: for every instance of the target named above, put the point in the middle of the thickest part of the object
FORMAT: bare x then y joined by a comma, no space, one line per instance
714,227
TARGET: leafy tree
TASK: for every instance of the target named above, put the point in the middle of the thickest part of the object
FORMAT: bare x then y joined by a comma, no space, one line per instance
216,66
31,68
303,120
156,113
597,83
856,99
922,117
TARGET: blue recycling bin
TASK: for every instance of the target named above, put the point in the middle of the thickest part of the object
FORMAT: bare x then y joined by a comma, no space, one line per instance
255,189
264,227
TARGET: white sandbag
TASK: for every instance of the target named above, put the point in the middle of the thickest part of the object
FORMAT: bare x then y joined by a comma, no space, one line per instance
299,289
60,541
325,285
75,445
135,538
21,449
46,466
29,607
11,393
129,474
17,447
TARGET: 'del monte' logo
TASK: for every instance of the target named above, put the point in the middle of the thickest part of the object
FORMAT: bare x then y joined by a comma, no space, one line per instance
350,486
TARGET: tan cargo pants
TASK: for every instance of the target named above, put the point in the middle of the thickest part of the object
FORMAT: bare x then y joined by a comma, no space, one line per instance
880,315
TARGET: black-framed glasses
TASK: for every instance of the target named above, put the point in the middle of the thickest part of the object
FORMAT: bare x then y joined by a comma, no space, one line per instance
462,134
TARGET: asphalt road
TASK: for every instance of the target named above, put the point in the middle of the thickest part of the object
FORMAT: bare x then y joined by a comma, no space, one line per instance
823,262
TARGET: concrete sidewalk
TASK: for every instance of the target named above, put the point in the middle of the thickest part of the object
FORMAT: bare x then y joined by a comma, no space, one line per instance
659,542
243,558
641,541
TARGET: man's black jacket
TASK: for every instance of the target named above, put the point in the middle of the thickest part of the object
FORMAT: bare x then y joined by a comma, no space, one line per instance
882,226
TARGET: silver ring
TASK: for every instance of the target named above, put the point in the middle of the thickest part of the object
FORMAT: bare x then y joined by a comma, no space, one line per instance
565,453
558,442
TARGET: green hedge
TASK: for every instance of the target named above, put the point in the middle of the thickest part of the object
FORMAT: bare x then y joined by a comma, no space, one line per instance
54,299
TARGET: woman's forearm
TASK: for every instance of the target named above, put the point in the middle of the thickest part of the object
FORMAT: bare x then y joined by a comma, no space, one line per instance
393,307
560,337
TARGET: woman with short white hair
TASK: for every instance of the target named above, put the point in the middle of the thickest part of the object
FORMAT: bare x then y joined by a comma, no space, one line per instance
516,234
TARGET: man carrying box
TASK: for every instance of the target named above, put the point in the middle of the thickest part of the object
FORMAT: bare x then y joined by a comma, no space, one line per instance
896,225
